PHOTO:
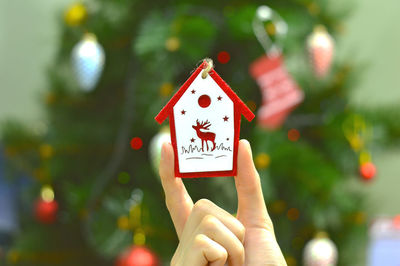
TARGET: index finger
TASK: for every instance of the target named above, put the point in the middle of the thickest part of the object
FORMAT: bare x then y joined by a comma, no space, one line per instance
177,199
252,211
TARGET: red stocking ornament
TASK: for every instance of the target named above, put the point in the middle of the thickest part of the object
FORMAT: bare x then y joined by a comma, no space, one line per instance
280,93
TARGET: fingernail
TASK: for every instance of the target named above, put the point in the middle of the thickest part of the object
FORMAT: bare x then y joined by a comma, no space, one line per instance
247,143
248,146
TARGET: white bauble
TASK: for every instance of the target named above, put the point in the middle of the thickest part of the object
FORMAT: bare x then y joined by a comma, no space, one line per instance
321,47
88,61
320,251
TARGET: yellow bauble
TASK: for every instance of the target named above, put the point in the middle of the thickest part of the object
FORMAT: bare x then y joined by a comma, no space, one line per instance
262,161
75,15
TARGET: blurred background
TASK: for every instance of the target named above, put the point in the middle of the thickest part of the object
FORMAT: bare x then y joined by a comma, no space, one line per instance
81,83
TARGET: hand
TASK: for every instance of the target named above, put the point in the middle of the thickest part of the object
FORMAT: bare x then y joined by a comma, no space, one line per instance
209,235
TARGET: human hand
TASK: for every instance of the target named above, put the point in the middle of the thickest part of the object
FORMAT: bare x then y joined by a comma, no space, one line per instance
209,235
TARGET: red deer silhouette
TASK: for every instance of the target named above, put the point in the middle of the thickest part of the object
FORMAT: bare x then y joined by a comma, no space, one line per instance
204,136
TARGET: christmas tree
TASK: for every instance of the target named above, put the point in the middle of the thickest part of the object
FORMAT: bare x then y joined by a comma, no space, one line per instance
94,189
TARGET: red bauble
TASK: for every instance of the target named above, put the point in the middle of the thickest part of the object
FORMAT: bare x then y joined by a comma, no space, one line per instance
137,256
46,211
367,171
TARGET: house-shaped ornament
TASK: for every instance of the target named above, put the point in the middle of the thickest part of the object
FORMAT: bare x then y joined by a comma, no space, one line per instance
204,117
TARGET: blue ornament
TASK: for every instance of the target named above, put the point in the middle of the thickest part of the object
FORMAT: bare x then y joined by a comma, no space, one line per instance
8,207
88,61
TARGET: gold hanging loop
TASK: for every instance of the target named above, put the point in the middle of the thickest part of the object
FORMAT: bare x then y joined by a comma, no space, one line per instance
208,68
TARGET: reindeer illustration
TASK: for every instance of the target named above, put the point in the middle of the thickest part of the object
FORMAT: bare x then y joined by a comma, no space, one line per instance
204,136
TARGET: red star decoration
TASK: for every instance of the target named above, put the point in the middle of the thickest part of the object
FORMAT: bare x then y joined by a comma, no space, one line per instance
192,140
225,118
219,98
193,91
183,112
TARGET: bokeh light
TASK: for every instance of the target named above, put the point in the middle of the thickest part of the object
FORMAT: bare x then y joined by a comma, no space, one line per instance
166,89
293,134
123,178
278,206
293,214
136,143
224,57
262,161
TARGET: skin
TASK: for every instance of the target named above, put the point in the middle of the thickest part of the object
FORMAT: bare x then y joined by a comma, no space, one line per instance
208,235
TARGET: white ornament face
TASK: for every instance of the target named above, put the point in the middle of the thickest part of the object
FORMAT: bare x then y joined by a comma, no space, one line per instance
204,125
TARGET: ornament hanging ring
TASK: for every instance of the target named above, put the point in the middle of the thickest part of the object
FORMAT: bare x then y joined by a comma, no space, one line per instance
208,68
263,14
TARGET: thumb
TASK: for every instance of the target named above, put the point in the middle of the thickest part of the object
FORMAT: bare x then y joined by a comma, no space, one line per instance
252,211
